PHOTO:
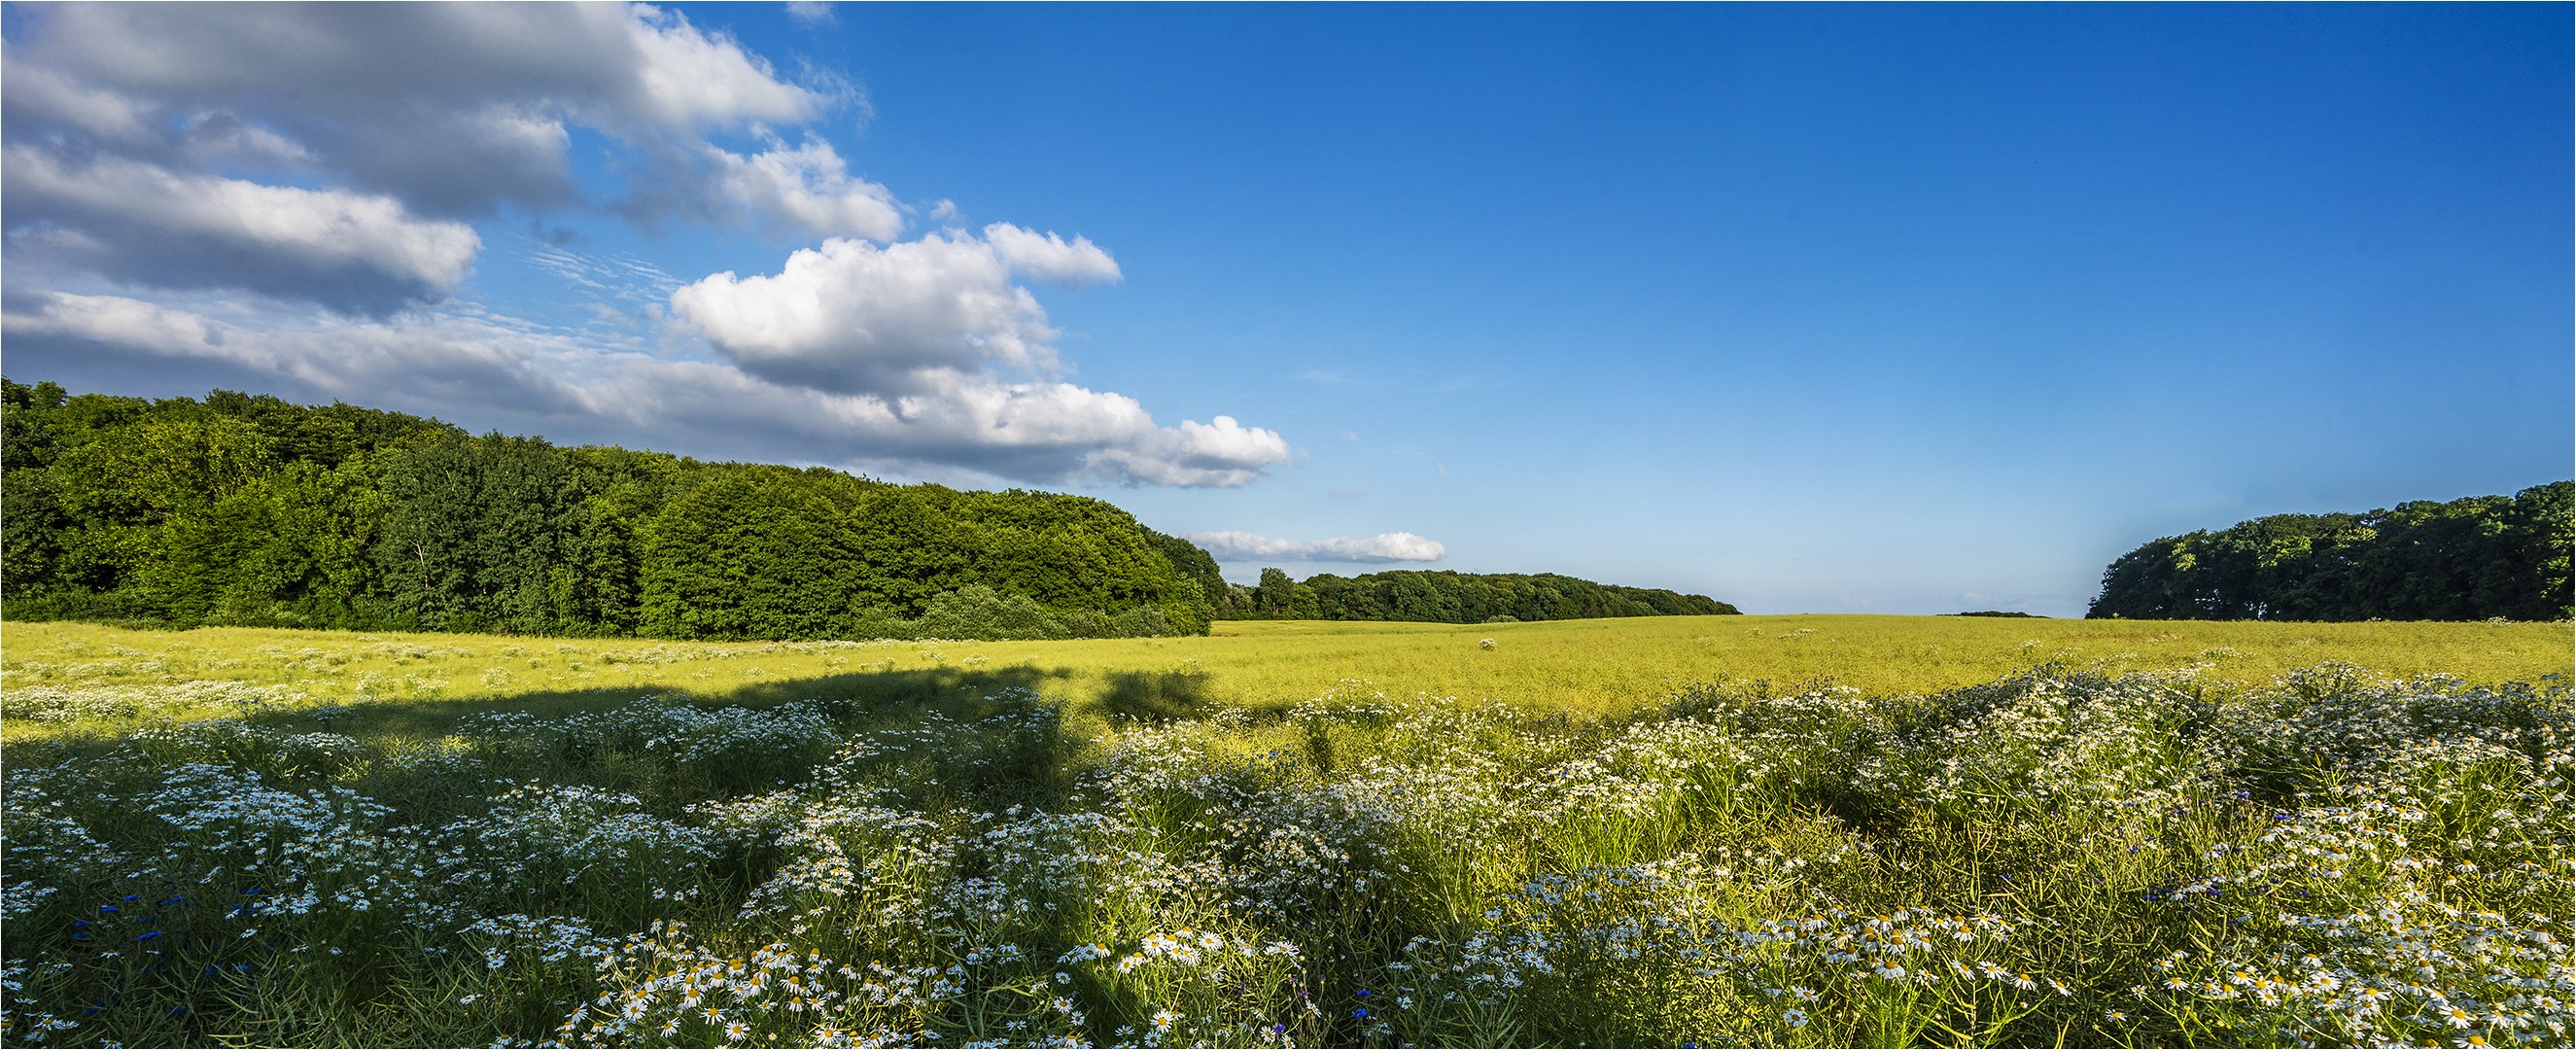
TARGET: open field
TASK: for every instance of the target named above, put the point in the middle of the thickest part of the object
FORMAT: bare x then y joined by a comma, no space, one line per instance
1640,832
1583,667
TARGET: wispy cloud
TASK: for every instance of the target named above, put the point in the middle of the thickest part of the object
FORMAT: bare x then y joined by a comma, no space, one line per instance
1383,547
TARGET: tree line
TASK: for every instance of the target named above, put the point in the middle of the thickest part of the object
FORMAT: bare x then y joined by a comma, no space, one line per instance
248,510
2482,557
1452,597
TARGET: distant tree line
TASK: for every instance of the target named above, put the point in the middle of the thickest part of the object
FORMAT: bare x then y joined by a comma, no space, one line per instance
248,510
2483,557
1451,597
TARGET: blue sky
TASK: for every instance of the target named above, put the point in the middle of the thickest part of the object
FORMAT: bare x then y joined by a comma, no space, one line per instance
1807,308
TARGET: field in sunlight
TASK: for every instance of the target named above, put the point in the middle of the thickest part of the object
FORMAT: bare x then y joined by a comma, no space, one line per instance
1591,667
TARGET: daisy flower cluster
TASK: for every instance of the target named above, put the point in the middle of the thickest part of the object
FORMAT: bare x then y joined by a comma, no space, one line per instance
2059,856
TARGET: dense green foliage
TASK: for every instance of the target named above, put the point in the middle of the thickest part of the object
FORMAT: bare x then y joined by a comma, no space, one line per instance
2477,558
244,510
1453,597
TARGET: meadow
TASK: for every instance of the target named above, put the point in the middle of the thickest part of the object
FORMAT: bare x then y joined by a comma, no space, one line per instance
1672,831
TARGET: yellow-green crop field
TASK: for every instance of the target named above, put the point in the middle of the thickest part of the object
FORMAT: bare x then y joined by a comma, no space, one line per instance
1713,831
1583,667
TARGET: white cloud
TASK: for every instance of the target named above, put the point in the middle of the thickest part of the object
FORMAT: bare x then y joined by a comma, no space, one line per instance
354,251
1383,547
1048,257
811,12
852,317
455,108
695,80
491,372
625,67
806,190
1224,453
157,161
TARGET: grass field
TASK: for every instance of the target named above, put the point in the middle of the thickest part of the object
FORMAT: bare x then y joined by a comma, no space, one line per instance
1588,668
1809,831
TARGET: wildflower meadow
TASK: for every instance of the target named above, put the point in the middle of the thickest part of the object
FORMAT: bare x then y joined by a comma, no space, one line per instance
2063,854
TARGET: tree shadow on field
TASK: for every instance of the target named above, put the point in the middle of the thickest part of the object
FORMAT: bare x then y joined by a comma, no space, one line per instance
863,700
924,737
942,741
1156,696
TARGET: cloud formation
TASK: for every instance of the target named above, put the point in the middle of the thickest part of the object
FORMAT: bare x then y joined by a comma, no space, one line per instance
1383,547
362,253
853,317
289,196
1048,257
489,373
460,107
806,189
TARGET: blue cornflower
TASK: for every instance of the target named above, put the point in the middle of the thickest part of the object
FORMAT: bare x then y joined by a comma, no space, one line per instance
107,909
1363,993
147,935
1361,1013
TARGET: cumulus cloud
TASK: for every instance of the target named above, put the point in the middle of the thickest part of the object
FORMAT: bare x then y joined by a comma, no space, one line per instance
806,190
853,317
934,331
454,108
1048,257
357,252
156,161
486,372
629,69
1383,547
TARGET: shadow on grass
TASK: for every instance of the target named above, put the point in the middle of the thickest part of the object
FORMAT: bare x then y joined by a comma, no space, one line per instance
950,699
1156,696
867,700
944,742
